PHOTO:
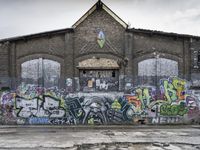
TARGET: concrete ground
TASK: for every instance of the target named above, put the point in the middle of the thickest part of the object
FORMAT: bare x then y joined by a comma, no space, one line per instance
100,137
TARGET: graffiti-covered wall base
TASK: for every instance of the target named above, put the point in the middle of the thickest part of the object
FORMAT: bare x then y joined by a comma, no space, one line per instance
170,103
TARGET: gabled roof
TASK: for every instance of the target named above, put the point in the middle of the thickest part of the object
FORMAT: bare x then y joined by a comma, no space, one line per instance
100,5
155,32
36,35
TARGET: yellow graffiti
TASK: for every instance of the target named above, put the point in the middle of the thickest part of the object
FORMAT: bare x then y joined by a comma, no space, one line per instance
179,85
146,95
170,92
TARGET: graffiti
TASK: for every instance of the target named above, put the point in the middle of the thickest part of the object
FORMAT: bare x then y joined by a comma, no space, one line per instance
75,109
194,113
103,85
90,83
62,121
174,89
128,86
196,83
166,120
7,98
101,39
171,102
95,110
7,106
193,107
136,104
98,110
7,115
98,84
99,80
143,94
140,98
173,110
116,105
172,99
46,107
21,121
69,83
39,120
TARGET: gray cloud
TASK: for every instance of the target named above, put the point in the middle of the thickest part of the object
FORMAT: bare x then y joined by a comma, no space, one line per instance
22,17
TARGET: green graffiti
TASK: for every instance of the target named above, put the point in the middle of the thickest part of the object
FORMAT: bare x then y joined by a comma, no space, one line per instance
146,96
173,110
174,91
170,92
101,39
116,105
91,121
80,113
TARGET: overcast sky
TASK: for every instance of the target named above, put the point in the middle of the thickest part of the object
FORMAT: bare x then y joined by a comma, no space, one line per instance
22,17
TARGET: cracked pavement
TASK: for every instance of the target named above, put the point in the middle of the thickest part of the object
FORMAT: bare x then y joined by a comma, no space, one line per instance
100,137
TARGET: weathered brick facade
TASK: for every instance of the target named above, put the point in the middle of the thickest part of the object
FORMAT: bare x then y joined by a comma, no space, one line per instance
103,72
127,46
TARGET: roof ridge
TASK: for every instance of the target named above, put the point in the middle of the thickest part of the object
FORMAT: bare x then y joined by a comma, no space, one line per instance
100,5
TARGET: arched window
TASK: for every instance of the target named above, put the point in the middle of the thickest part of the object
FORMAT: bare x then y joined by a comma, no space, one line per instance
159,67
40,71
153,69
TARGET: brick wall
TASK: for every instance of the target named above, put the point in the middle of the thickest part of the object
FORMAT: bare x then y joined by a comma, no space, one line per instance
4,63
195,65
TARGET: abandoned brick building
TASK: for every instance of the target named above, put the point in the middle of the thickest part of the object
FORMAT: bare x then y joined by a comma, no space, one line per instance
99,48
100,71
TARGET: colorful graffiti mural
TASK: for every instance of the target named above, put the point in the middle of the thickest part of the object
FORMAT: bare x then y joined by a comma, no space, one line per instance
172,99
172,102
